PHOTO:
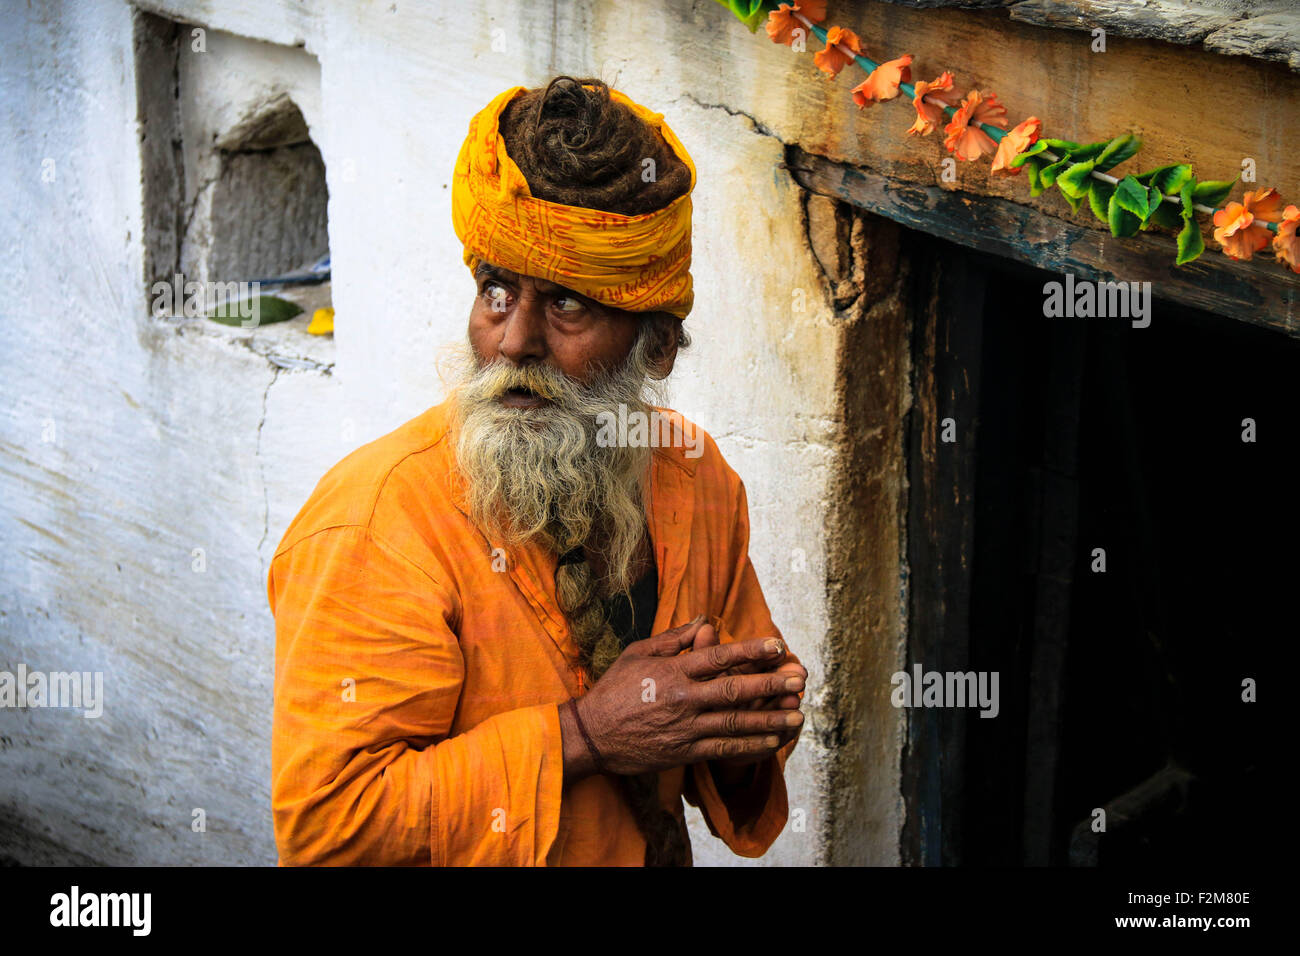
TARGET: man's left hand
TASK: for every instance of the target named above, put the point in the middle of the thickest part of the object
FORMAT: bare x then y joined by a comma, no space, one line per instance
736,769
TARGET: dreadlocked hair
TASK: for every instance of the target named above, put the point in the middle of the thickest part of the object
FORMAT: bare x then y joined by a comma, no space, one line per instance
575,145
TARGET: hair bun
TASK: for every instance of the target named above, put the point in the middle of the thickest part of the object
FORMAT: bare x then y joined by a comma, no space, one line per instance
576,145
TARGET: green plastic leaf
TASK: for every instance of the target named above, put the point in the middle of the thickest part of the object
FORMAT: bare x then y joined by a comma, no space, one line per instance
252,313
1169,179
1060,145
1213,192
1190,241
1035,167
1050,173
1153,203
749,12
1167,215
1019,160
1099,199
1074,201
1117,150
1133,197
1090,151
1122,222
1073,183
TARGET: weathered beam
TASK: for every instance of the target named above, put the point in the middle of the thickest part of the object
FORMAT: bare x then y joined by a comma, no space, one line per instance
1174,21
1266,35
1260,292
1262,30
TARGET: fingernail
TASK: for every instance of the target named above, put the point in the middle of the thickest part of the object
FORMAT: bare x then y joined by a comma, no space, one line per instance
771,741
793,719
697,620
794,683
772,646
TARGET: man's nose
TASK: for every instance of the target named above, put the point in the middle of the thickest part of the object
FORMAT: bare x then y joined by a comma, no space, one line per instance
523,336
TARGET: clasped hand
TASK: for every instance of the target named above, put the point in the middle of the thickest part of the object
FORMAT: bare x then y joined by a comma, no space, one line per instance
656,707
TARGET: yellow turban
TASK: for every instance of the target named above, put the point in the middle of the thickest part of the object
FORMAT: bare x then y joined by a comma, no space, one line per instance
636,263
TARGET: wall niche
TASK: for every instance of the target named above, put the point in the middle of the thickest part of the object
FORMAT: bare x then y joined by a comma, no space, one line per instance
235,186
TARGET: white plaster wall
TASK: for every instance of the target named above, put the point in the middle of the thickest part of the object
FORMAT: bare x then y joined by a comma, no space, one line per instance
173,437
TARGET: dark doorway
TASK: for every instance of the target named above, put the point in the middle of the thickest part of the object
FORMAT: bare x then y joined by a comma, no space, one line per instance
1077,445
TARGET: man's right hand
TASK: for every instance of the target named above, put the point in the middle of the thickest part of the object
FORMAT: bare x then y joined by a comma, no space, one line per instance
657,708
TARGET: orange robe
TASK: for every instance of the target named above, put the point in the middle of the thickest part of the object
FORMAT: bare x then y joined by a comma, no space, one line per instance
418,673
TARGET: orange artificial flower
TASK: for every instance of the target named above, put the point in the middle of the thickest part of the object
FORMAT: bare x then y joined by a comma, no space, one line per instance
1236,229
832,59
964,137
781,23
928,115
1015,143
882,83
1286,244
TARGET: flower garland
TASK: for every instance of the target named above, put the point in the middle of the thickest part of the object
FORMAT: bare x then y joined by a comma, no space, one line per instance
1169,196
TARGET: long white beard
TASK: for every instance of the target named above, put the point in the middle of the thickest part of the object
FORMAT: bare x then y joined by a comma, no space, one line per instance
539,473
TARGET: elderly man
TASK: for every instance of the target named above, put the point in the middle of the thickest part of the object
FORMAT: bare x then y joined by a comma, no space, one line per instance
500,640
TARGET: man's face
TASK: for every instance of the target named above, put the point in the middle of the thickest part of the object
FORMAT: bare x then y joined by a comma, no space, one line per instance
550,366
522,320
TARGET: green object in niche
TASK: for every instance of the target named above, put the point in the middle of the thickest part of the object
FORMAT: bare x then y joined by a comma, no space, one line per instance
253,313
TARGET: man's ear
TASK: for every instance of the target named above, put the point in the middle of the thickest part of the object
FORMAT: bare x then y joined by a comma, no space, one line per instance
667,340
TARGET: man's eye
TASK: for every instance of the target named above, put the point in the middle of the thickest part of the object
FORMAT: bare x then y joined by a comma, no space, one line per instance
567,303
495,295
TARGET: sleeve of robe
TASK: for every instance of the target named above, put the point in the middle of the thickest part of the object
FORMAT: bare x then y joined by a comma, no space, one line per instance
368,672
750,819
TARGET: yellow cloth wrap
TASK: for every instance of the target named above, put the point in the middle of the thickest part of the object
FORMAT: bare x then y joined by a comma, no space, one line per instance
636,263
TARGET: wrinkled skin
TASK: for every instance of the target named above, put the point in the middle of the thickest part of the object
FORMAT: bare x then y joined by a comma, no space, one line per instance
728,703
